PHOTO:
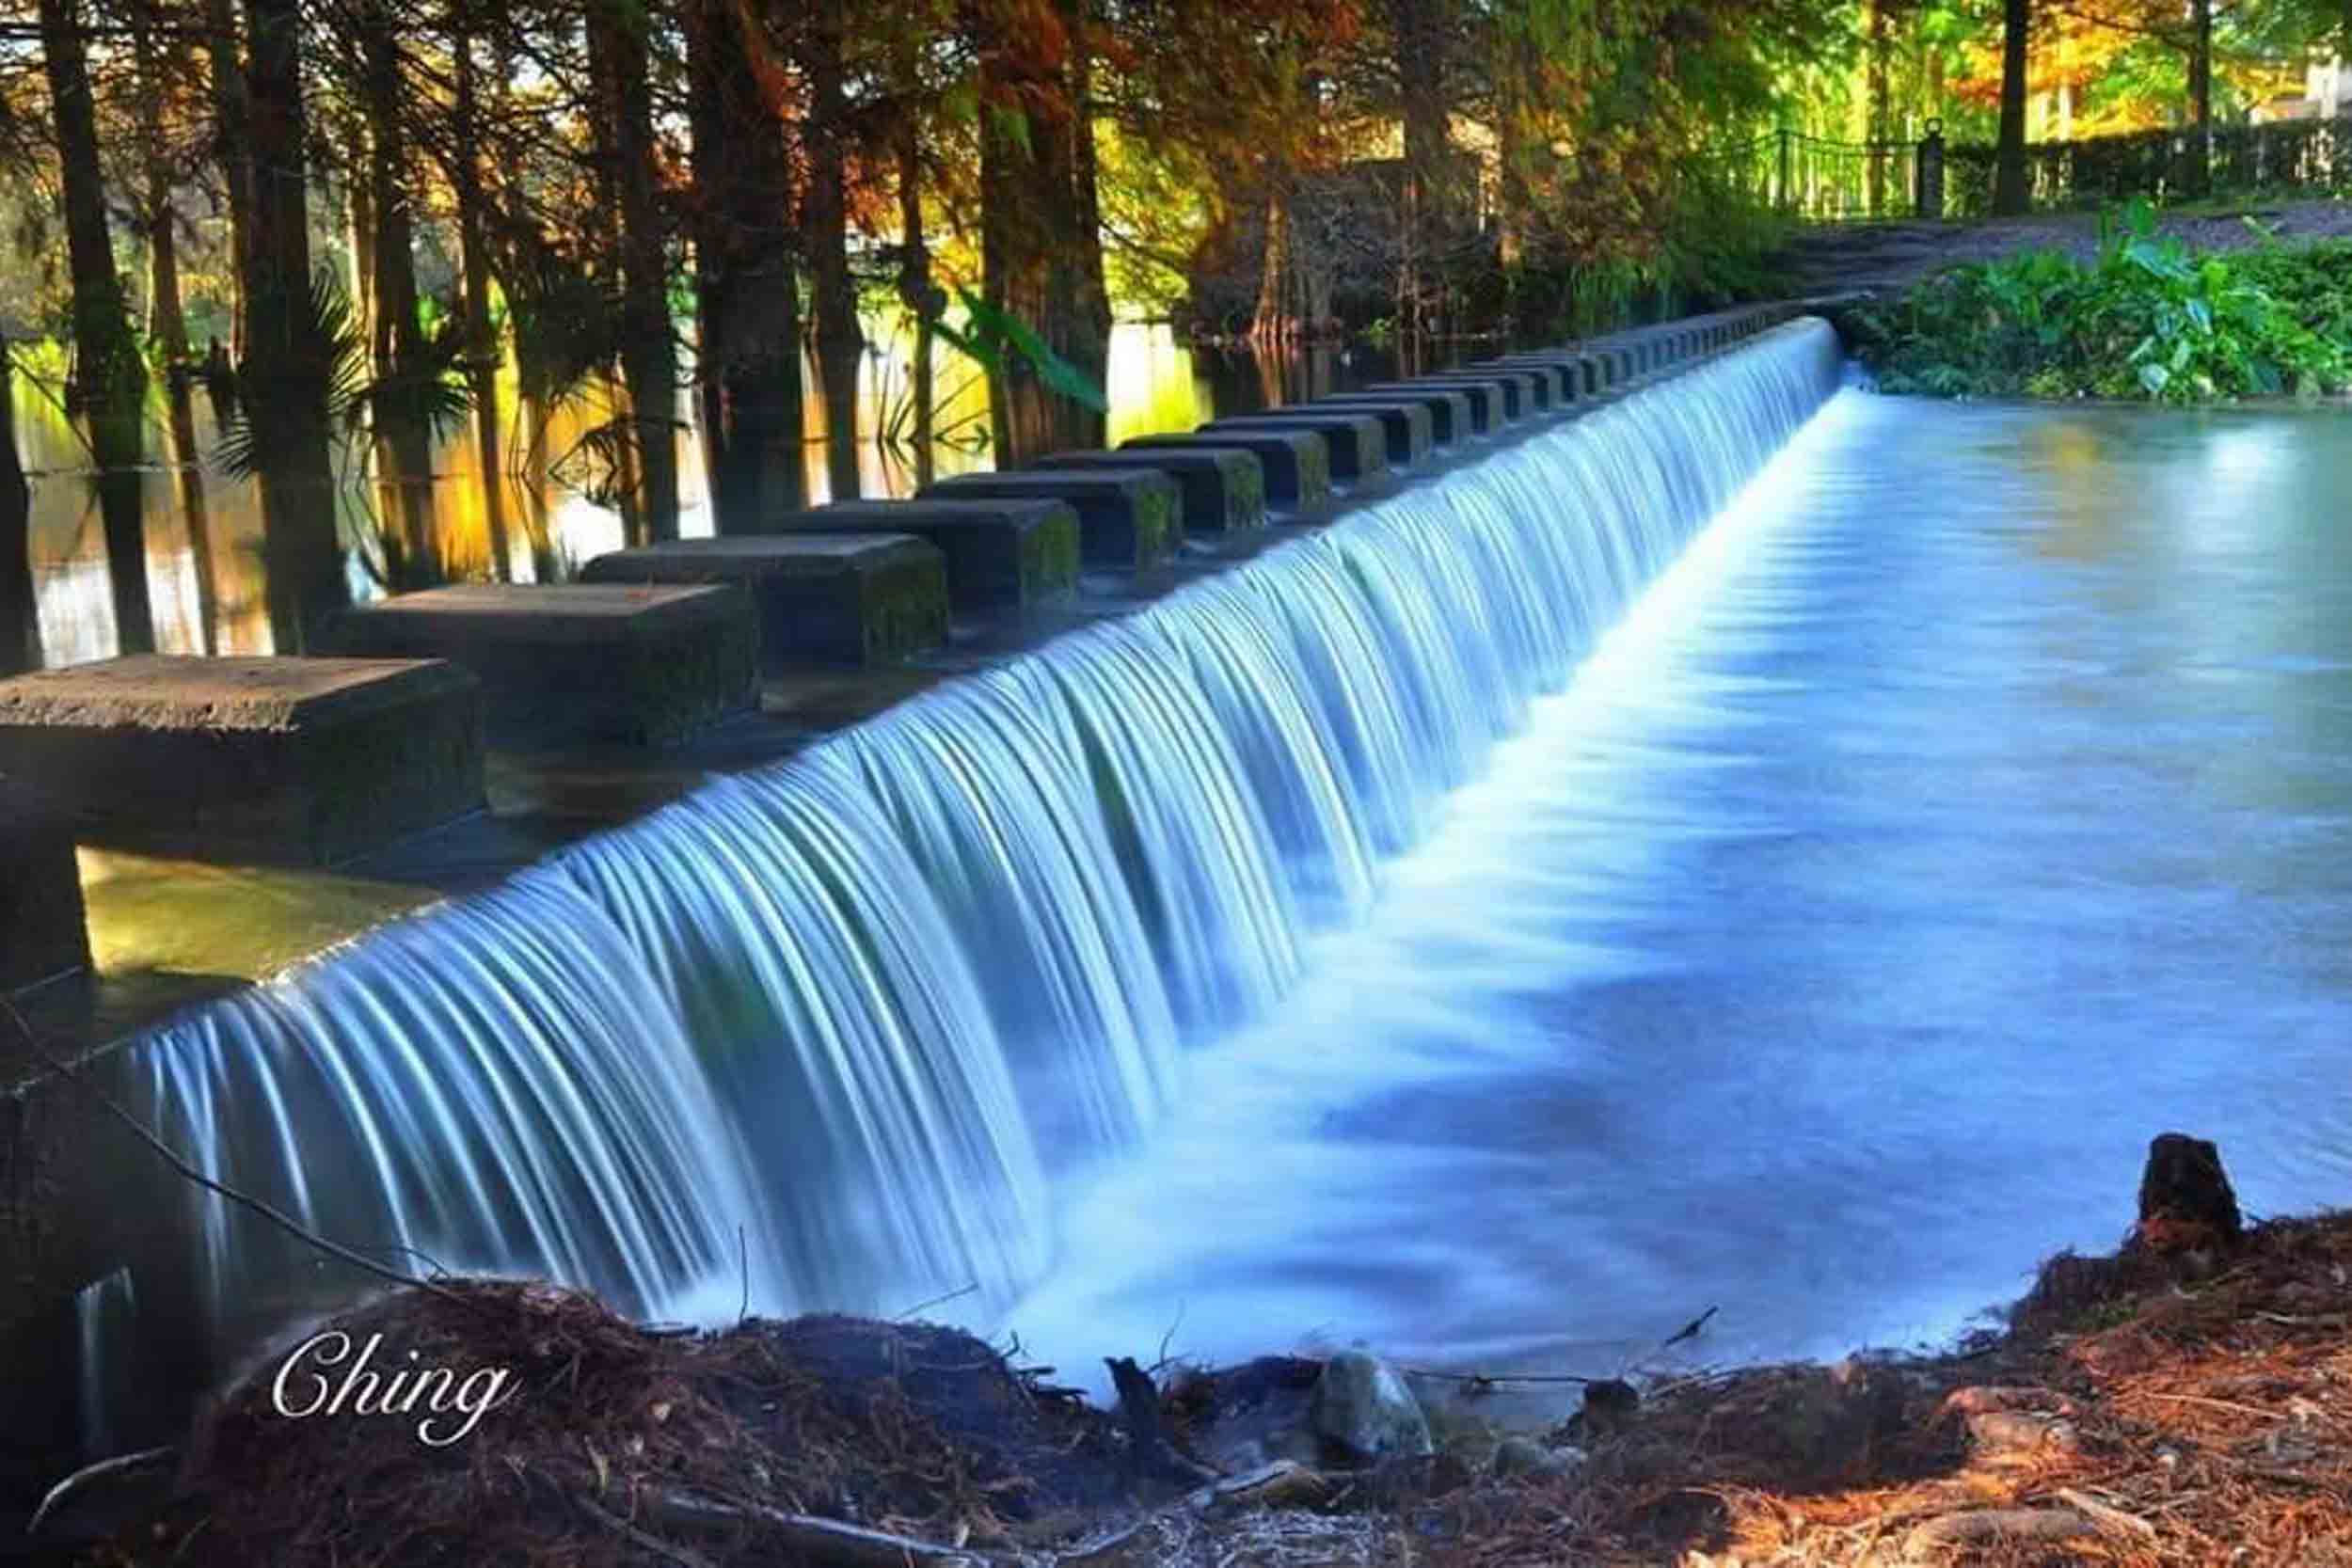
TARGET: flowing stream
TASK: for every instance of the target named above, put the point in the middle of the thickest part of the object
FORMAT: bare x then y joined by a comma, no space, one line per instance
855,1030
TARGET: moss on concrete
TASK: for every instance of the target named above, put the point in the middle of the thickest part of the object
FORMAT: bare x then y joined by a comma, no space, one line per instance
903,609
1049,557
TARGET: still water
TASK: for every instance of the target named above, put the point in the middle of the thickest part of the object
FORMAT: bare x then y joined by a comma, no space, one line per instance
204,530
1971,803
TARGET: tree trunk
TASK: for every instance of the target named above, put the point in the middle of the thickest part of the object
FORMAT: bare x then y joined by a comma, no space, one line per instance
230,119
840,343
189,462
1041,261
1418,38
20,619
481,346
166,322
404,436
2200,95
2009,193
1881,108
747,293
919,295
1271,324
616,34
288,366
106,364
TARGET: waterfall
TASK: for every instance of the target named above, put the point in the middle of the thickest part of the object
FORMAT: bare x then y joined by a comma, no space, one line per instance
833,1028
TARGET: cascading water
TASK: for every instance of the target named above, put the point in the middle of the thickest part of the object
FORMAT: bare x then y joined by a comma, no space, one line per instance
832,1023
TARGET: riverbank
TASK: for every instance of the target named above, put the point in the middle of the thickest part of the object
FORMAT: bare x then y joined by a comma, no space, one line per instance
2187,1401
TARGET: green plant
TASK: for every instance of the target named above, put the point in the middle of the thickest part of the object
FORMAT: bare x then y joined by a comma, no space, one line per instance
995,338
2150,318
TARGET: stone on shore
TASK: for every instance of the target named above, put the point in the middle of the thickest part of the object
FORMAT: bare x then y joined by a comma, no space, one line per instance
43,932
1129,520
641,663
1222,488
1525,1456
247,760
1362,1407
821,598
1002,554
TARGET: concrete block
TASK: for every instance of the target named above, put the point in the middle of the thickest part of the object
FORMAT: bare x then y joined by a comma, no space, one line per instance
1357,445
277,761
43,931
1483,397
642,663
1129,519
1222,488
1406,422
1001,554
821,598
1449,412
1296,464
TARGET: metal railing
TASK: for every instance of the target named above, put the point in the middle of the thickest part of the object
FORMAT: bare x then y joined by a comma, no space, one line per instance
1815,179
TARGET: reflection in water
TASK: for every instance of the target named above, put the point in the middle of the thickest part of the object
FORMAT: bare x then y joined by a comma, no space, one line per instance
204,528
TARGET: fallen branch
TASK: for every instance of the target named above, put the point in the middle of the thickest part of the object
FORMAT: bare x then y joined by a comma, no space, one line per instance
825,1541
2107,1514
60,1497
668,1550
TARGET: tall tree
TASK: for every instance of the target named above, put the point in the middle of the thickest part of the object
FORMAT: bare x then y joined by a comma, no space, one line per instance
109,372
746,283
1040,250
404,430
839,342
619,46
473,243
2009,193
288,369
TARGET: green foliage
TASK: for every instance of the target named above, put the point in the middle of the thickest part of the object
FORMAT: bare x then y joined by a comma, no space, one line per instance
2150,319
997,340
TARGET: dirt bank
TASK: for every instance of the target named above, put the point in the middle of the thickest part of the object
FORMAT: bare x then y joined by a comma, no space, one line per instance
2188,1401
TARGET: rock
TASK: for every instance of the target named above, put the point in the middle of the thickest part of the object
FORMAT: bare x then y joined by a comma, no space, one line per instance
2186,1202
1403,1480
1610,1406
1363,1409
1525,1456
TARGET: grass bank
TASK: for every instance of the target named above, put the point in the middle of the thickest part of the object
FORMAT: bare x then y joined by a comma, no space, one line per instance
2149,316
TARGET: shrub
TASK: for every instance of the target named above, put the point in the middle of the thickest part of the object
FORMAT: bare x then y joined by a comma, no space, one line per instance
2150,319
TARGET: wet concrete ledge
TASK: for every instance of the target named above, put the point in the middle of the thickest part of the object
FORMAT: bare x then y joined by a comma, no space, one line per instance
166,933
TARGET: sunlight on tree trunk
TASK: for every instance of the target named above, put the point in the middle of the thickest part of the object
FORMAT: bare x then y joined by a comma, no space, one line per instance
109,374
20,621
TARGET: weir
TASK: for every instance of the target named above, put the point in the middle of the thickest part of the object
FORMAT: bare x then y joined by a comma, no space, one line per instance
822,1034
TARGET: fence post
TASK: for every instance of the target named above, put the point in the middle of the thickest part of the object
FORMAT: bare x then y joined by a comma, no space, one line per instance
1788,185
1931,177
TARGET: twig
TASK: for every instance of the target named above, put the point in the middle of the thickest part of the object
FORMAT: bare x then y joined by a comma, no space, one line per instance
64,1492
1690,1330
285,1222
938,1301
743,1264
2105,1514
2217,1405
683,1557
820,1540
1488,1380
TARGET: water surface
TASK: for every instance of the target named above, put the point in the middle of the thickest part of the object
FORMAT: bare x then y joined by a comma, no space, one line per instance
1969,805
